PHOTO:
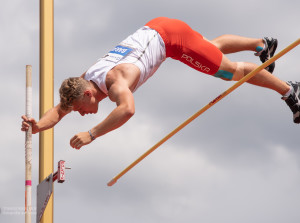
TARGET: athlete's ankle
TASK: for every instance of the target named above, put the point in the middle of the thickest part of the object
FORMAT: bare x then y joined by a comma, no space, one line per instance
287,94
260,46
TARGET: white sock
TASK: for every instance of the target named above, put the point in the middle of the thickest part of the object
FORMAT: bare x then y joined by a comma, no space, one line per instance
287,94
265,44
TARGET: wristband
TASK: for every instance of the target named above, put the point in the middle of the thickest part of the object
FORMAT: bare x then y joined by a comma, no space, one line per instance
92,137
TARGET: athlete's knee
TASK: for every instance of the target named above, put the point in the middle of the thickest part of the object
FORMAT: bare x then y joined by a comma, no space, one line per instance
239,72
235,73
216,42
219,41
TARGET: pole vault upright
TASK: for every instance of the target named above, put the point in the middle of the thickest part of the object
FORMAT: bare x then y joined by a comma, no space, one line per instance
46,95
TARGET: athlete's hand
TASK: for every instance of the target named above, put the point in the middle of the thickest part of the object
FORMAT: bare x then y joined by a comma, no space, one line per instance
80,139
25,124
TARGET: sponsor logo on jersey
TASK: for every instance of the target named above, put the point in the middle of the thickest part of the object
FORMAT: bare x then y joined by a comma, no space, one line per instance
121,50
117,53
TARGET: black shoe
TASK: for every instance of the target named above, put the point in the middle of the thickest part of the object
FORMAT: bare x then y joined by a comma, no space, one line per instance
268,52
293,100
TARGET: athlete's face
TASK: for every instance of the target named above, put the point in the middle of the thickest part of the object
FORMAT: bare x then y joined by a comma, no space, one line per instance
86,105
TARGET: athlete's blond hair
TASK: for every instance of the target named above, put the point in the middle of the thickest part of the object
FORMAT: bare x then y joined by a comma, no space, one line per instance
72,89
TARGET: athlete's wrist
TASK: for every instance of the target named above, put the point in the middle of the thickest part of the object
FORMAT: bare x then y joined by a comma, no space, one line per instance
92,136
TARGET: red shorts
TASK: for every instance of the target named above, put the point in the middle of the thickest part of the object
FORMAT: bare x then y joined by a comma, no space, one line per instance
186,45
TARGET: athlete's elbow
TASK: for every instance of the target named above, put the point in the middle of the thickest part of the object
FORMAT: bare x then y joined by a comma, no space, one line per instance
129,112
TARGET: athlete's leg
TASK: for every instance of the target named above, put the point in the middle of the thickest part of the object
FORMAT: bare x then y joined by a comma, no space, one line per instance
264,48
262,78
290,91
233,43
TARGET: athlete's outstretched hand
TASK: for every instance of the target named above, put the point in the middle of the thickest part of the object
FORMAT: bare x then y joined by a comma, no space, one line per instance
80,139
25,124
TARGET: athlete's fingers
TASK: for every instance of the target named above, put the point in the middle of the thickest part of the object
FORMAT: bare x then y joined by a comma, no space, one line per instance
73,141
24,128
78,146
24,117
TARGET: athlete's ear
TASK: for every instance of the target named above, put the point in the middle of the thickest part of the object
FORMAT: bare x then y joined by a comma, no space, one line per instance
88,93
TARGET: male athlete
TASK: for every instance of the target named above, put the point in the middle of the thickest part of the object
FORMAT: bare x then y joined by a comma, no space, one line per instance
124,69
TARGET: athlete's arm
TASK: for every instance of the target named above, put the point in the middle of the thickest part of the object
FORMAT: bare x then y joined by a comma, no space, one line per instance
48,120
121,94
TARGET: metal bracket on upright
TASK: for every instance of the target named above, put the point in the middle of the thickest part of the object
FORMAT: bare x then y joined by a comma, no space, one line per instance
45,189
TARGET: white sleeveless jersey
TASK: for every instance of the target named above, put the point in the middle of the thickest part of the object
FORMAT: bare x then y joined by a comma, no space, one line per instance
145,48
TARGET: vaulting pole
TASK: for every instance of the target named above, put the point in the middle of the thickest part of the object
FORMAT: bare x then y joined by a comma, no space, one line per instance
28,147
202,110
46,95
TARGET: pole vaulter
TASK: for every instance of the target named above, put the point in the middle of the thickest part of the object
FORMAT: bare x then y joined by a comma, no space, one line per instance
206,107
